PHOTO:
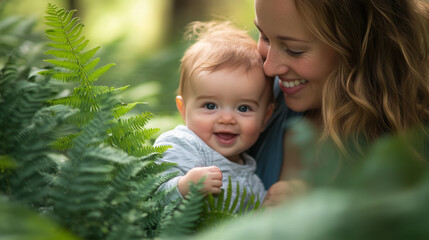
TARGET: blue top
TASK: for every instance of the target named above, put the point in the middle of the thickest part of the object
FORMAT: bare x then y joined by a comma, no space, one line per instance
268,149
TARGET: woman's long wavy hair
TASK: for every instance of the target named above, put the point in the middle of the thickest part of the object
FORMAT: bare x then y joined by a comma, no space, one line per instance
381,85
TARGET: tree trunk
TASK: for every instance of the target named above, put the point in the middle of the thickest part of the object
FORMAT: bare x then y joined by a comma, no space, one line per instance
185,11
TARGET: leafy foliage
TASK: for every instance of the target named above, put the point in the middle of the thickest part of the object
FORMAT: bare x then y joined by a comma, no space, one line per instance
381,195
93,187
102,183
222,208
73,63
182,222
17,222
27,129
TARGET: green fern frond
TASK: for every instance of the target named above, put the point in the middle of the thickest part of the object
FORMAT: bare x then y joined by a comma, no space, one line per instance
219,209
184,220
132,136
60,76
63,143
73,101
109,154
155,169
131,141
135,123
27,130
84,191
73,63
78,99
123,109
93,189
95,131
7,162
69,45
222,203
99,72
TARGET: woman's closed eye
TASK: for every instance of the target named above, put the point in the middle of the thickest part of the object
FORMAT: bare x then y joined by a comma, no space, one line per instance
264,38
293,53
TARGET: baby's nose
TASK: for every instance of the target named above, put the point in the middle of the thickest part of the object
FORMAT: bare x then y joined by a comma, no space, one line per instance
227,117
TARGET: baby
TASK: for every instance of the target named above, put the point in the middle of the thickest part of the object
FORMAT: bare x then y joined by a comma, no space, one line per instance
225,101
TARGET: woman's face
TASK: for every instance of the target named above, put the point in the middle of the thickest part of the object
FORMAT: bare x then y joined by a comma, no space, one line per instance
300,60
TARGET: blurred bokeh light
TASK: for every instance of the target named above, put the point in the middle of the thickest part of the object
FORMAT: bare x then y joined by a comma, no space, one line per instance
144,39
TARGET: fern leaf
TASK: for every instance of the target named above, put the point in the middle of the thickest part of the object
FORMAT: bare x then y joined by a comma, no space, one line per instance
243,197
60,54
220,199
67,17
109,154
70,23
99,72
27,130
79,45
64,64
153,169
90,65
123,109
234,205
69,47
84,57
228,193
184,220
63,143
249,203
74,36
211,202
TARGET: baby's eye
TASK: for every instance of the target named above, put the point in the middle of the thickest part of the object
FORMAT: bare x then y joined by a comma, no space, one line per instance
210,106
244,108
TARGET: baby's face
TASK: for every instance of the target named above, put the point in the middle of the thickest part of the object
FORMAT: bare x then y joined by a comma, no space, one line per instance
228,108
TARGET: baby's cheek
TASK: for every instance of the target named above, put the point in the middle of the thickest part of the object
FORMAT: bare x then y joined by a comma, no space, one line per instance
252,132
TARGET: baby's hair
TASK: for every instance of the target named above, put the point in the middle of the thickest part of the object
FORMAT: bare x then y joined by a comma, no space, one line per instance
218,45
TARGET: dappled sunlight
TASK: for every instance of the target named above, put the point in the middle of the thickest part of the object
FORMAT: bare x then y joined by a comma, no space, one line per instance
144,39
142,92
138,23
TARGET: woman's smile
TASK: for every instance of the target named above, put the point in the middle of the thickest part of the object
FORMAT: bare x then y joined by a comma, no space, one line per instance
290,87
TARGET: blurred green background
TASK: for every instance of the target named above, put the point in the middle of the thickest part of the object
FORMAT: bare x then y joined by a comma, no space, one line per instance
144,39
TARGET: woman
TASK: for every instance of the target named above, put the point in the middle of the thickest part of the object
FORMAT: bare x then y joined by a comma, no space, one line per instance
357,69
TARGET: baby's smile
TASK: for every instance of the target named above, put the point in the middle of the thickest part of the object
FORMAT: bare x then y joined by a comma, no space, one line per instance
226,138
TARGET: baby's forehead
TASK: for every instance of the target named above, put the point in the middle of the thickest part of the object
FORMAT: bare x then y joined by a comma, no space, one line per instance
244,80
255,73
243,68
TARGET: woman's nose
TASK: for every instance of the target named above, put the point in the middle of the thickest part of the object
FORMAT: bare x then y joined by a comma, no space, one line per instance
274,65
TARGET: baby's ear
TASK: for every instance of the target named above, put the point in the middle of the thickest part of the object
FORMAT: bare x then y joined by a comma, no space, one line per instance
180,104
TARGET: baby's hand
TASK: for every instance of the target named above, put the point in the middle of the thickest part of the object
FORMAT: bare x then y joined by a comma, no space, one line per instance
212,181
283,190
